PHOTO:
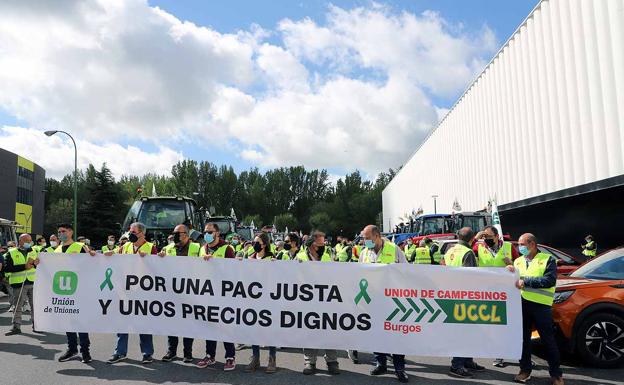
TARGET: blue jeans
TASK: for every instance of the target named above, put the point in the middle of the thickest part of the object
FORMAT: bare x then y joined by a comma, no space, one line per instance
255,351
146,344
72,342
540,316
398,360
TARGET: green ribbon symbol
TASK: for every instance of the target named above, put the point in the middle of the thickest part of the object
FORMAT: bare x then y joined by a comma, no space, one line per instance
107,280
363,294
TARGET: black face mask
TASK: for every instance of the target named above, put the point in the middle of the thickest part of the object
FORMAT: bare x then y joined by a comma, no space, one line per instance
132,237
287,246
320,250
257,247
176,238
490,242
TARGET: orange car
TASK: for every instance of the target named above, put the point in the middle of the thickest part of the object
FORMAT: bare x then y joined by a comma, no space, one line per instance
588,310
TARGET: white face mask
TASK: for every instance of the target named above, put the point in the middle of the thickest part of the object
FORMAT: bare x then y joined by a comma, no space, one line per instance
111,243
53,243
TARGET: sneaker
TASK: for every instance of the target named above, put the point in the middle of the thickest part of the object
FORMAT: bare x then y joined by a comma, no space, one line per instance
309,369
557,380
170,356
86,358
499,363
14,330
332,367
147,359
230,364
205,362
402,376
68,355
188,358
116,358
254,364
271,366
474,367
12,308
522,377
460,372
378,370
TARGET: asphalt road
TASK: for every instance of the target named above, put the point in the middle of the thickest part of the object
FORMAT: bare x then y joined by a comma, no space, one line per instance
31,359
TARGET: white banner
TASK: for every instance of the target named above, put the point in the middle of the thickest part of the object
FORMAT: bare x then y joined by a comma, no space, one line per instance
411,309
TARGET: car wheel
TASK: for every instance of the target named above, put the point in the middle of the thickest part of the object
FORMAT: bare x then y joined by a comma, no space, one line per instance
600,340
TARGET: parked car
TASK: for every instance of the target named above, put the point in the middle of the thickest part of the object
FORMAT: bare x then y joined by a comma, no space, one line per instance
566,263
588,310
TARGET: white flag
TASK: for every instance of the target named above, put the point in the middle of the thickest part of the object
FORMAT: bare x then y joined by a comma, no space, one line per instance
496,218
154,190
232,213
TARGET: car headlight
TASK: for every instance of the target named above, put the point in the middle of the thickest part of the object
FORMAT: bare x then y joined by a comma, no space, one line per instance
562,296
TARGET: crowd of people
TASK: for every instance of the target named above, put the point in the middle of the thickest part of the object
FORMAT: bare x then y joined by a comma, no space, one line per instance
536,282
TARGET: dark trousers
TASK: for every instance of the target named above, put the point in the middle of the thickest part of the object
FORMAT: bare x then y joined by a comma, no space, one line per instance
211,349
187,344
72,342
460,362
540,316
398,360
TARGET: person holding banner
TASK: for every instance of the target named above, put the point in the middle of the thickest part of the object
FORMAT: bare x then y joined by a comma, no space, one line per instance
538,278
262,245
315,251
492,251
181,247
461,255
291,247
65,233
137,244
215,247
21,262
380,250
110,245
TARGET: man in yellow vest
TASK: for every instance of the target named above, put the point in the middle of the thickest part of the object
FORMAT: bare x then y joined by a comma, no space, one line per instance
422,254
410,250
137,244
538,278
181,247
316,251
461,255
110,245
41,244
21,262
54,242
492,251
380,250
590,248
216,247
315,248
291,247
65,234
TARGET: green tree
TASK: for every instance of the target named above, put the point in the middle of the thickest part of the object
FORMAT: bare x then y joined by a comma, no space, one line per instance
61,211
286,220
255,219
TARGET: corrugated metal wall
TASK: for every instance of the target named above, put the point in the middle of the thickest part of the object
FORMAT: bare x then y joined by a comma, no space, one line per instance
546,114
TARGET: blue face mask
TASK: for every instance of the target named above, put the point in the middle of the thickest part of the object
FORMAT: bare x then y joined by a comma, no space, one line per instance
209,238
369,244
523,250
63,237
27,245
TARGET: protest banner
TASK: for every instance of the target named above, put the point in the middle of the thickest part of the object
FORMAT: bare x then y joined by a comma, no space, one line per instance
410,309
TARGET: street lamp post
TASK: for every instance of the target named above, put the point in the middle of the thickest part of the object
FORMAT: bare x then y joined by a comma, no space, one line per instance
50,133
435,208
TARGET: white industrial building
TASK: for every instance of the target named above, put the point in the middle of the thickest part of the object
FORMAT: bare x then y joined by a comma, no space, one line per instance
543,121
